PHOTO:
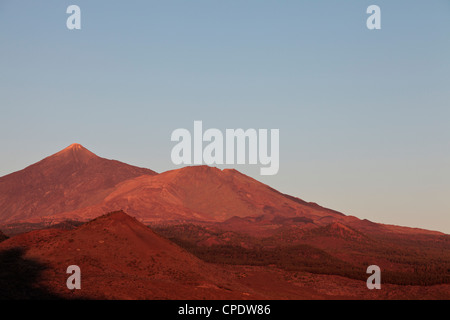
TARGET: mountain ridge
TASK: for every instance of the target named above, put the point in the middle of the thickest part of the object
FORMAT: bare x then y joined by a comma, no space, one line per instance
76,184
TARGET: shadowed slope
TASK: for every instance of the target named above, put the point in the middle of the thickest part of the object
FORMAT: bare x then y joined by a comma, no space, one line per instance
3,237
19,277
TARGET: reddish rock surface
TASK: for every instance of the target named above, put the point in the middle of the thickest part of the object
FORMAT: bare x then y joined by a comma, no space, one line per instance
70,179
219,235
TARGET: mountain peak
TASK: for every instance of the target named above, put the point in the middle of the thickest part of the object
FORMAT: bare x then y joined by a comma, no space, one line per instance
78,152
75,146
114,220
115,216
71,179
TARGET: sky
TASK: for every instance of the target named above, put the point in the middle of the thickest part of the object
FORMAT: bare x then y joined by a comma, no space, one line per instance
364,115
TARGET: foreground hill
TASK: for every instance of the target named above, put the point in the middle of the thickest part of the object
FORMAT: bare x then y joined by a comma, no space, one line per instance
120,258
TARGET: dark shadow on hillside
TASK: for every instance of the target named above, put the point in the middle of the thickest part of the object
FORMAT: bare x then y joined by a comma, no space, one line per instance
19,276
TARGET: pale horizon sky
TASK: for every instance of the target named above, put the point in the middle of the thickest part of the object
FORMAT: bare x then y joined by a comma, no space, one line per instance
364,116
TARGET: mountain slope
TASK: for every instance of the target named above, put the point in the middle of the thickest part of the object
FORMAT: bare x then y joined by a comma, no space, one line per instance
75,184
119,258
202,193
70,179
207,194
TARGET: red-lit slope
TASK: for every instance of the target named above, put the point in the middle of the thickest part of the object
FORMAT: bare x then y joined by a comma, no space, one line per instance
119,258
204,193
75,184
70,179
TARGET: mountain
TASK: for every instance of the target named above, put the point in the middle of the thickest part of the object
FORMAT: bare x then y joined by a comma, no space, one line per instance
75,184
251,231
202,193
119,258
70,179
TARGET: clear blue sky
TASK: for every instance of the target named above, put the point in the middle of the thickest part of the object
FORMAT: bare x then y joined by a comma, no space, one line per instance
364,116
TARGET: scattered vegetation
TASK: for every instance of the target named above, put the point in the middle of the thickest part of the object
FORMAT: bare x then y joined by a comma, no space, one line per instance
401,262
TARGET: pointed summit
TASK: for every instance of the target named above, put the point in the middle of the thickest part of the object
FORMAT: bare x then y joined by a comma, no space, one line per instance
75,147
76,152
71,179
115,216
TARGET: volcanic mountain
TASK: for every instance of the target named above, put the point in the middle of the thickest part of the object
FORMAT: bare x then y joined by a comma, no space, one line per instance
212,215
119,258
75,184
204,194
70,179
